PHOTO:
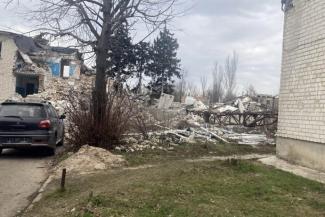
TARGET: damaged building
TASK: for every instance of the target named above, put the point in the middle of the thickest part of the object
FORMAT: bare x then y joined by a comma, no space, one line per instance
301,124
27,64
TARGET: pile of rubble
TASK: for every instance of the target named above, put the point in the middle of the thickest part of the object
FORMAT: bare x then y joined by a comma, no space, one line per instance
169,123
240,104
247,136
174,125
89,159
58,88
136,143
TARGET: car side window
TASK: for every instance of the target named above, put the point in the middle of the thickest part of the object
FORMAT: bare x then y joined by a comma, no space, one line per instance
52,112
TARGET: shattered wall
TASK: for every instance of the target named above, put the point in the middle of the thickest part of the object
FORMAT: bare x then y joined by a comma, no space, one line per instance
302,92
7,60
64,66
26,68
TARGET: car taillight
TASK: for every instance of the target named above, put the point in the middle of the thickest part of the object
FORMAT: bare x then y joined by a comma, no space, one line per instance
46,124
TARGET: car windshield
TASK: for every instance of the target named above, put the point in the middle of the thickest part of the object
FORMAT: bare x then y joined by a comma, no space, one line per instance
22,111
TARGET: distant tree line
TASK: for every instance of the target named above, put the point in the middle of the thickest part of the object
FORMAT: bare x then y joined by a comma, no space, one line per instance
222,88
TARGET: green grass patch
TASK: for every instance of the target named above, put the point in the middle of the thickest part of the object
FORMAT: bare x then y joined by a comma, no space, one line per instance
183,189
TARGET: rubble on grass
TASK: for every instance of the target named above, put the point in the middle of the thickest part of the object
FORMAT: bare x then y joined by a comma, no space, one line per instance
169,124
89,159
175,126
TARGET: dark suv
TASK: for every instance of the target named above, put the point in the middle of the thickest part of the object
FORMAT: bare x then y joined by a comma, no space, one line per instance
25,124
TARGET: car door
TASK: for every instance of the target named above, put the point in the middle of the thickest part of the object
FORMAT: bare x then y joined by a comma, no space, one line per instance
56,122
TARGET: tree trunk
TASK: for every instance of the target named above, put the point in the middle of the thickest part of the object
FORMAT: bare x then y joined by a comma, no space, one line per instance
100,93
140,83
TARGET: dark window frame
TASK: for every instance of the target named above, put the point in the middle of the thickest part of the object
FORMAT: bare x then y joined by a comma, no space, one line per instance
15,109
52,112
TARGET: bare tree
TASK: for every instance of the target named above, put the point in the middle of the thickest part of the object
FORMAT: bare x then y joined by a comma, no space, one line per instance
231,66
204,82
217,90
250,91
192,89
92,24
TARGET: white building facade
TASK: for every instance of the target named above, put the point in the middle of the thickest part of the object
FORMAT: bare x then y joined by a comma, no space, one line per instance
301,128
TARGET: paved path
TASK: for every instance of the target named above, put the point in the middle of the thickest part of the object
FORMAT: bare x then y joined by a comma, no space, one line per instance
239,157
295,169
21,175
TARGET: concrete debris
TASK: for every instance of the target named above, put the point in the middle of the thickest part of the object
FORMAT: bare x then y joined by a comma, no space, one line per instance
89,159
248,104
215,135
165,101
178,123
35,63
169,124
248,139
194,104
58,89
226,108
246,136
156,141
190,100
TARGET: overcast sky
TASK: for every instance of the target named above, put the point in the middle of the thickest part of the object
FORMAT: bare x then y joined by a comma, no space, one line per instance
211,30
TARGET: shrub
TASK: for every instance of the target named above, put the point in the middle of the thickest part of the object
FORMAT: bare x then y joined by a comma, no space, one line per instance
82,129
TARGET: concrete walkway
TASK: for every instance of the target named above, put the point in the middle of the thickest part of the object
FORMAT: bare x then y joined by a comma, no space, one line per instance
295,169
22,174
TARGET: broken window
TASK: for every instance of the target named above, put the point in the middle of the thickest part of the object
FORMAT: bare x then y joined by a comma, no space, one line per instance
65,68
286,5
0,48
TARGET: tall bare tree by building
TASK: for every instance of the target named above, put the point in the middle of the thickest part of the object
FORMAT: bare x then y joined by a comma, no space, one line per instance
231,66
93,24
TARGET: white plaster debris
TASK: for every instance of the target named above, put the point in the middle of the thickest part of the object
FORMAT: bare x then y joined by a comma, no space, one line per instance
247,139
89,159
165,101
171,122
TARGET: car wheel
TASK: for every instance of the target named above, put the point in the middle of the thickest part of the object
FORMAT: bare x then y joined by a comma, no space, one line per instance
61,143
50,151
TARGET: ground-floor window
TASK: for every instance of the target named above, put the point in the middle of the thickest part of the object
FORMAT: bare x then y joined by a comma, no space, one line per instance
27,84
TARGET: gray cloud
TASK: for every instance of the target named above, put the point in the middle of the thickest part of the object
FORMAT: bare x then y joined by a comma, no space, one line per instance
214,28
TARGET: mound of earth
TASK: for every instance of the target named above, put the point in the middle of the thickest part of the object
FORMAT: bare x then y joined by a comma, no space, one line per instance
89,159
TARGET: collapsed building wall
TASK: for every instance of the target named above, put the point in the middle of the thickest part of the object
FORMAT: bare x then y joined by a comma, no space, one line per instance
301,126
27,67
8,51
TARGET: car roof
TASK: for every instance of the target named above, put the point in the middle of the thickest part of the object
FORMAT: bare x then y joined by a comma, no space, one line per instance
25,103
